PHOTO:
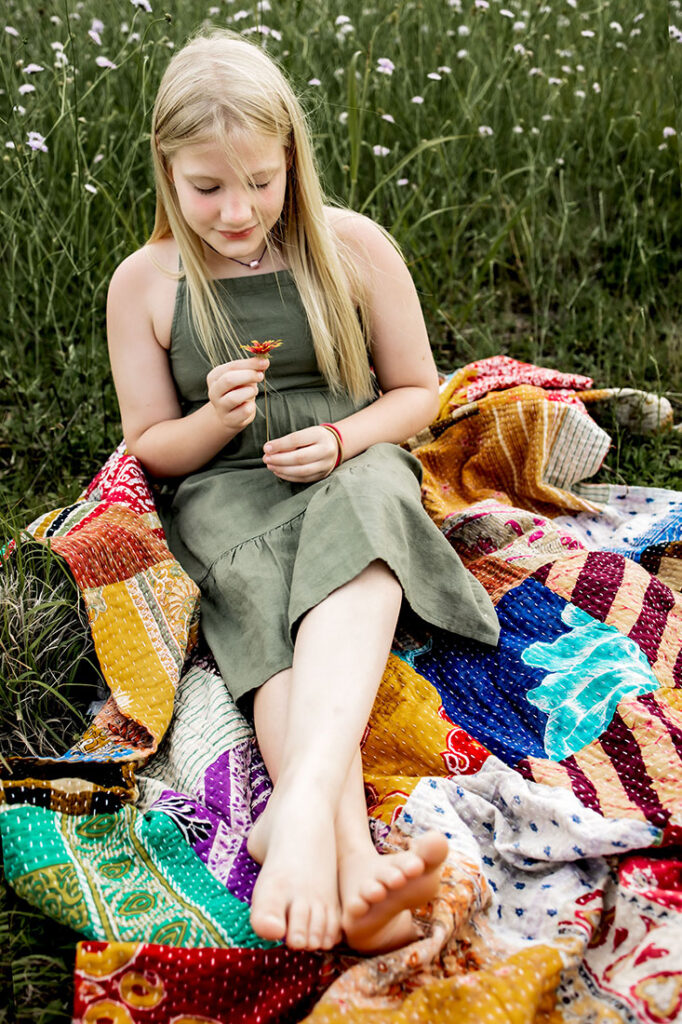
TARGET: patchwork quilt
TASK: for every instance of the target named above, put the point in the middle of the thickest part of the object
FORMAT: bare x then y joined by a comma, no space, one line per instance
553,763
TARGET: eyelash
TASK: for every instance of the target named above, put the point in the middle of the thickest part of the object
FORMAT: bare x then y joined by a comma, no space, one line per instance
210,191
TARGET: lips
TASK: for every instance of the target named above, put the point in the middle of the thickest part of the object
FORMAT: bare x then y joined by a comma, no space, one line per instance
236,235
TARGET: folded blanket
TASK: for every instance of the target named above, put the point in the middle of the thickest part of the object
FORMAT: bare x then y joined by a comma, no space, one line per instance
553,764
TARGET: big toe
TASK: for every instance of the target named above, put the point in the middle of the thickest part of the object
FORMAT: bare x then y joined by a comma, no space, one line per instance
269,913
432,847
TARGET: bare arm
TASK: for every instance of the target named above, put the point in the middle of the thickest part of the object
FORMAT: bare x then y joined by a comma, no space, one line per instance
402,359
166,442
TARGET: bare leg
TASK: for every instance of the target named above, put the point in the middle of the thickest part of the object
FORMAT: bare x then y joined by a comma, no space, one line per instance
339,657
376,892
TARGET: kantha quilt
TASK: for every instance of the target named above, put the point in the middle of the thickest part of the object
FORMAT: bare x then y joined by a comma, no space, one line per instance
553,763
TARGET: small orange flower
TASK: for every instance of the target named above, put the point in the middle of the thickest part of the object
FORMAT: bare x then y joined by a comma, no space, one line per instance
262,348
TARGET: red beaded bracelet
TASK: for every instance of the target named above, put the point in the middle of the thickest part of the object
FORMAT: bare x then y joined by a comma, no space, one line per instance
339,440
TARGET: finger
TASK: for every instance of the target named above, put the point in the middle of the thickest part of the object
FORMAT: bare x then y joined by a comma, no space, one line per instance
234,379
302,474
296,457
236,396
249,367
299,439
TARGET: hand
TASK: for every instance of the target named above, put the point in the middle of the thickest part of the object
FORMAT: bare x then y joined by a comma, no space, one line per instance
302,457
232,389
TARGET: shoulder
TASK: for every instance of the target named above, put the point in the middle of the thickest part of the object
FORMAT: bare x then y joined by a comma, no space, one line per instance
365,241
144,284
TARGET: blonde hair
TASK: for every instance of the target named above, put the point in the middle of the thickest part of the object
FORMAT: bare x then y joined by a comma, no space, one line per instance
215,86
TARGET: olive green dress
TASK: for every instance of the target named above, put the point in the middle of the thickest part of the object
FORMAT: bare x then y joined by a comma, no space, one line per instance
264,551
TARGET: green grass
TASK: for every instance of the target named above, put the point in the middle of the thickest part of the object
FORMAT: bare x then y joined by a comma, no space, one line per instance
555,237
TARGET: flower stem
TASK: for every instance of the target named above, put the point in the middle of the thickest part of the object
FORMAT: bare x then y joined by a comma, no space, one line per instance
267,422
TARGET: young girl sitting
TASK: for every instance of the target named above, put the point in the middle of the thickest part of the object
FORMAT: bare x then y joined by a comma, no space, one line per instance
294,510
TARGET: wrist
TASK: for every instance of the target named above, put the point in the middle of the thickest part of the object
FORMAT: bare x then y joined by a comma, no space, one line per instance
336,433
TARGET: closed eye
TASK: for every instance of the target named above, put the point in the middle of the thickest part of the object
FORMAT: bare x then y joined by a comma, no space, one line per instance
206,191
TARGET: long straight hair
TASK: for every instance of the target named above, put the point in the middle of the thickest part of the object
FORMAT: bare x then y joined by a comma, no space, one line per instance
220,86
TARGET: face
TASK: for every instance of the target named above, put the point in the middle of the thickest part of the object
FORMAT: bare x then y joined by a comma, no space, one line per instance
231,203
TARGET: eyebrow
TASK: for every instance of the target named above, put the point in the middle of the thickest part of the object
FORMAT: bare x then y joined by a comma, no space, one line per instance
261,171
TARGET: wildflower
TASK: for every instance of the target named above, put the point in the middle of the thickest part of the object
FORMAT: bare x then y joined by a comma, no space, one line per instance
240,15
637,17
517,129
55,19
263,348
344,31
520,49
402,182
36,142
668,132
264,5
434,76
461,54
463,30
125,28
57,45
134,37
95,36
104,62
417,99
580,93
534,130
385,66
555,81
546,117
10,145
564,53
587,33
90,188
535,71
388,117
380,150
566,69
213,11
580,67
596,87
635,32
342,19
560,161
97,25
314,81
11,31
616,26
484,130
444,69
98,158
506,14
32,69
60,59
343,116
23,89
18,109
519,26
482,5
144,4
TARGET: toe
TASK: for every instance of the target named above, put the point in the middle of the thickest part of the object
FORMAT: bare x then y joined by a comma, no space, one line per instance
269,912
298,925
317,926
432,847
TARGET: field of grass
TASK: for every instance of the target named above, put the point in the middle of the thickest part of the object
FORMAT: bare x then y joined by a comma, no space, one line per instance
524,154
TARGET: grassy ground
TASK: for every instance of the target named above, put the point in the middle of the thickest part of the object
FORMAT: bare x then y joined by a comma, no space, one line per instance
523,156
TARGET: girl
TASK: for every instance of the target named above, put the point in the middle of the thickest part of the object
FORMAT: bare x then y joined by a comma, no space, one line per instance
303,529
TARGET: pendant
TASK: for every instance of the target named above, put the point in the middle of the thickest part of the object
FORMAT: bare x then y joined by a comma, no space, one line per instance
253,264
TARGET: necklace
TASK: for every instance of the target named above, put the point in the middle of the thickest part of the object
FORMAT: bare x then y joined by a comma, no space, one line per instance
252,264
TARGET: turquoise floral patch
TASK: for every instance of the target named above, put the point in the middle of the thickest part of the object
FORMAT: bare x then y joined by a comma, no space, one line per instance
590,669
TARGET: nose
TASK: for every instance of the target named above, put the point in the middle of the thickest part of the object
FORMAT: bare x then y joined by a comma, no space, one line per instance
236,209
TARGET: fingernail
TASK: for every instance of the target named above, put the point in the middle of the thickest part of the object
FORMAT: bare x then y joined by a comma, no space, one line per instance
260,376
267,448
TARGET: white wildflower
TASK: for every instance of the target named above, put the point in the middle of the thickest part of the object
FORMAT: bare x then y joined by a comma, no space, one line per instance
213,11
385,66
596,87
36,142
264,5
125,28
11,31
519,26
663,145
95,36
134,37
402,182
18,109
57,45
564,53
434,76
482,5
444,69
555,81
461,54
388,117
342,19
23,89
580,67
635,32
580,93
534,130
240,15
520,49
463,30
616,26
97,25
97,159
535,71
546,117
637,17
343,116
587,33
55,19
314,81
32,69
10,145
668,132
484,130
417,99
517,129
560,161
566,69
506,14
144,4
380,150
60,59
104,62
90,188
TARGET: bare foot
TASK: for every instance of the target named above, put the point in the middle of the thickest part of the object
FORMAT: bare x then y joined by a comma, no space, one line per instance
296,895
379,892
